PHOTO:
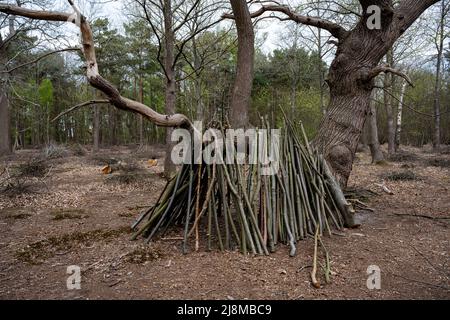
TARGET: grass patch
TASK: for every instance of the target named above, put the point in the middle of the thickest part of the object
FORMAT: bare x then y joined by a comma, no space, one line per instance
54,151
17,188
103,160
407,175
359,194
36,253
123,178
382,163
126,215
23,178
439,162
78,150
18,216
143,254
127,178
68,214
36,168
403,156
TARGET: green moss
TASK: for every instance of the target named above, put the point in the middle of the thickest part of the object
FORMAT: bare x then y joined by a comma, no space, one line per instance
68,214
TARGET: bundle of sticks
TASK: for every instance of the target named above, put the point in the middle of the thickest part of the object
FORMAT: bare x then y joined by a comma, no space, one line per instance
230,206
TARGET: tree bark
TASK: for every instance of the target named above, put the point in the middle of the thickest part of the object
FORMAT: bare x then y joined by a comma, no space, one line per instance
374,141
96,129
5,134
352,73
242,90
197,83
351,80
140,117
5,118
321,73
437,87
388,86
398,130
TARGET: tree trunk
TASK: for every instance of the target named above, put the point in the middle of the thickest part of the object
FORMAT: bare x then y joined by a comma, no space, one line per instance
351,78
340,131
96,129
241,95
5,134
140,117
321,72
374,141
388,85
398,131
437,87
170,90
351,82
197,83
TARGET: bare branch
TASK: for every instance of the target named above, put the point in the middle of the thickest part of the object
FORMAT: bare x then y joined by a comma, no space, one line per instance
92,72
336,30
39,59
78,106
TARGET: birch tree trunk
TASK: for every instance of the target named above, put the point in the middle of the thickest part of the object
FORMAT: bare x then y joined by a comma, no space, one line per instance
140,117
388,86
96,129
398,131
437,88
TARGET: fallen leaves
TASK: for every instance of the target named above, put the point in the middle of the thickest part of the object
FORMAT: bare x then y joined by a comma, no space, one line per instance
107,170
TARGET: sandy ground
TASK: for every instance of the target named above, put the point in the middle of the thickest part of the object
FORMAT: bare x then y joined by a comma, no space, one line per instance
76,216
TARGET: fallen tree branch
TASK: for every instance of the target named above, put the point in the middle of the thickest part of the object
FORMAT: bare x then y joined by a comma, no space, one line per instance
384,188
420,216
422,282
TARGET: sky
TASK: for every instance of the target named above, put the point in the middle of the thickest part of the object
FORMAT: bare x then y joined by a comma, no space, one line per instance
270,30
273,29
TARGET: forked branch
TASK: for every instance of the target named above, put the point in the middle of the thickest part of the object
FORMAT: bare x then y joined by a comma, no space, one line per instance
92,71
335,29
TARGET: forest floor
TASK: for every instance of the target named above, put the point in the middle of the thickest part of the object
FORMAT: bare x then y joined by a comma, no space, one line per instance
75,215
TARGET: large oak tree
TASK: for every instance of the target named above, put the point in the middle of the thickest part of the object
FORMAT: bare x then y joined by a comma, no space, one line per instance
353,70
